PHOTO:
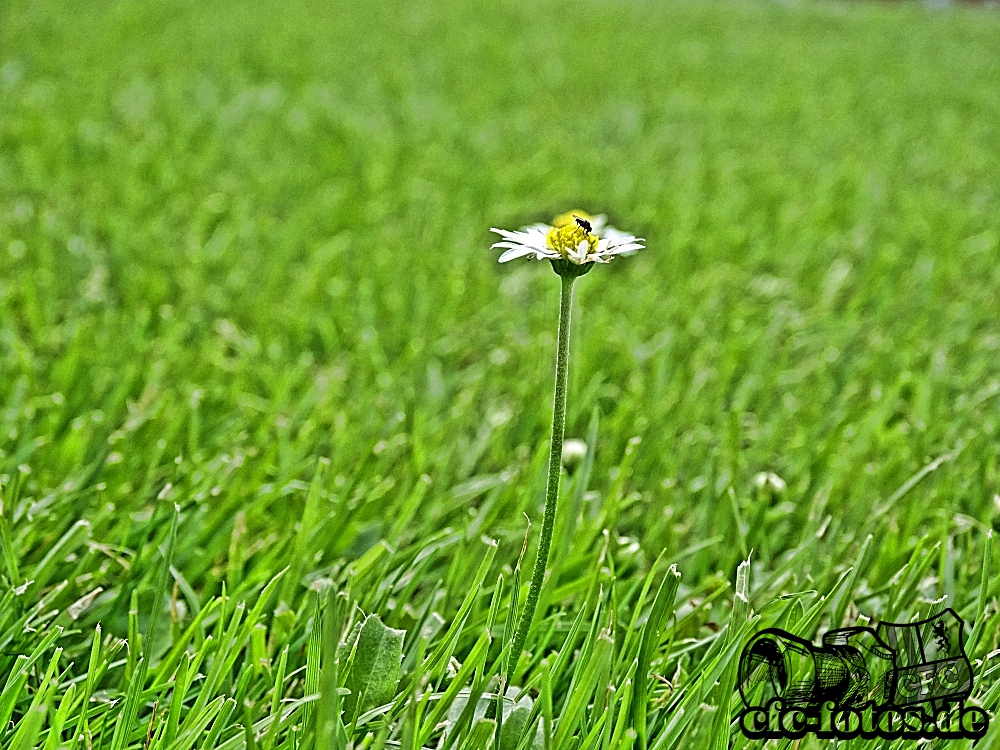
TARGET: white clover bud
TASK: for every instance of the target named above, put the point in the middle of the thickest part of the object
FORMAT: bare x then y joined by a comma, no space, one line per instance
769,480
573,452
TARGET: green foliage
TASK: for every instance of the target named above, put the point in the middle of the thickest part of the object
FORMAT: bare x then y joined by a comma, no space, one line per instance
265,390
375,671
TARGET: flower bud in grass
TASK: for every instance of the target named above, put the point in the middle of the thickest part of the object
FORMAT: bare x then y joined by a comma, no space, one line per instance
573,452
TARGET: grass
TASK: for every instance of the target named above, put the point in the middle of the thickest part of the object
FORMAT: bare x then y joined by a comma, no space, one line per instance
273,417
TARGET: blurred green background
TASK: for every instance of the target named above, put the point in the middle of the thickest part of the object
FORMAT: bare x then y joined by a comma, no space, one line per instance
238,238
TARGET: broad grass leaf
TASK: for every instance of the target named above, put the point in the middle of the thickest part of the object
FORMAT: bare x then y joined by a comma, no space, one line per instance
375,672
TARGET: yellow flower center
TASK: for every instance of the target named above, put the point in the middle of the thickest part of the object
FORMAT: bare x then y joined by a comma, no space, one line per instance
565,237
565,241
568,218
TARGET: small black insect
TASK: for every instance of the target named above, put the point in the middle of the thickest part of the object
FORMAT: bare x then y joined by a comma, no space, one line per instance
583,223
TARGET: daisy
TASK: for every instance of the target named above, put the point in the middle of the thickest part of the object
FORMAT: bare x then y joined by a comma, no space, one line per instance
573,243
575,236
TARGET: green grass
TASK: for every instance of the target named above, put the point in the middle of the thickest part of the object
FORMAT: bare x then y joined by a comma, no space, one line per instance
250,323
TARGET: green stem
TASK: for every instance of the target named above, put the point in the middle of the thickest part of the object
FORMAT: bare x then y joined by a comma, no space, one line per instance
555,467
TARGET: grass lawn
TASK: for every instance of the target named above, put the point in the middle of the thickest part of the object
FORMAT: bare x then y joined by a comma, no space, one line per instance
262,379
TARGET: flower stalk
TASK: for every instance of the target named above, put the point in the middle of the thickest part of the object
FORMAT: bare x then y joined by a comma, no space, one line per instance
555,467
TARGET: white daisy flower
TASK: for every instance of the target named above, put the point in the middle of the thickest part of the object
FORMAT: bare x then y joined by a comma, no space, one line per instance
575,236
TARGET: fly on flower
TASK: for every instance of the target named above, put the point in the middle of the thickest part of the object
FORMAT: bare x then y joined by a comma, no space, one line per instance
575,236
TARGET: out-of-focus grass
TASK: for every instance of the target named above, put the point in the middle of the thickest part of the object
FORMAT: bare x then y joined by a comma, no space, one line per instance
244,252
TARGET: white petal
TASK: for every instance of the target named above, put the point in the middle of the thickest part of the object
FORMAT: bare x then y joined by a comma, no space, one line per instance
623,249
543,254
615,235
624,239
511,235
623,243
517,252
532,245
525,235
